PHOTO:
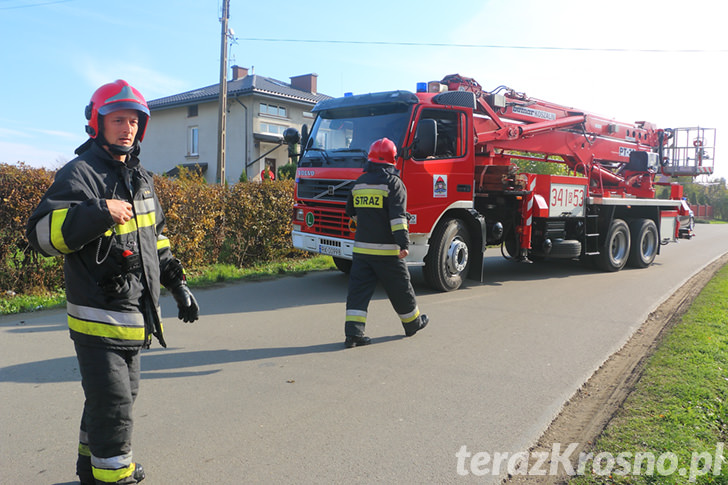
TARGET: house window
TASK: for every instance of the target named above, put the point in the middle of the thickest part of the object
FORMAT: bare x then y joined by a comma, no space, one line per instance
192,111
193,141
271,128
271,109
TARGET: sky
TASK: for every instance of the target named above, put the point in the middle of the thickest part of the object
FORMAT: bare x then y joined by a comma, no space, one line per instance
659,61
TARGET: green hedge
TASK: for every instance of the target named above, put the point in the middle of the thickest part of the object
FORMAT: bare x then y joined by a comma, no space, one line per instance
241,224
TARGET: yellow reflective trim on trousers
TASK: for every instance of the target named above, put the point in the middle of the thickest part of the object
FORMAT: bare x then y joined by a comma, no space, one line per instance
412,317
113,476
376,252
104,330
57,219
354,318
84,450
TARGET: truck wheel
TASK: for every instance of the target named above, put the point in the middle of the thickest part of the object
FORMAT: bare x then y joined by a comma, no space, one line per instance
613,255
343,265
565,249
448,259
644,243
511,244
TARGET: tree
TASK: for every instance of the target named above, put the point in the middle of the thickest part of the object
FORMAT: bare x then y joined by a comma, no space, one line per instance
539,167
713,193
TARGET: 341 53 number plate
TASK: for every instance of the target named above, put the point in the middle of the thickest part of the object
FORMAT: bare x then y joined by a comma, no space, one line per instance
566,200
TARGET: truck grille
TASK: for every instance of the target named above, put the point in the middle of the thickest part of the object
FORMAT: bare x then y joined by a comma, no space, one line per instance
331,223
325,190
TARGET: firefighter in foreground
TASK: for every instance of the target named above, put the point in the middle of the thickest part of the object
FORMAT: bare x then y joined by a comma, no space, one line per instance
378,206
103,215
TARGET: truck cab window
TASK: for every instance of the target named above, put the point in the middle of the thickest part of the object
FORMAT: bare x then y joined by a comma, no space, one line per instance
449,132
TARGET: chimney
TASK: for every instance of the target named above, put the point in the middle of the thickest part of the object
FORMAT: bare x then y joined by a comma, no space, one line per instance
239,72
306,82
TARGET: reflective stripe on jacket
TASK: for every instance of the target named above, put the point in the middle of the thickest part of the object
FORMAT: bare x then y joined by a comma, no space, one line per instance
112,271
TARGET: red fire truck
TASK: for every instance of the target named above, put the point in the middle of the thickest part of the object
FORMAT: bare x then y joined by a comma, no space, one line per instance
457,145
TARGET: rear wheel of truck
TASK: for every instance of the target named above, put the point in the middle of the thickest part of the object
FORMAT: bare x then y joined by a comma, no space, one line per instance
448,259
645,242
615,251
343,265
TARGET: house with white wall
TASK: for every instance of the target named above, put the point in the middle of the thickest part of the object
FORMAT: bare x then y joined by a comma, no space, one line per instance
183,130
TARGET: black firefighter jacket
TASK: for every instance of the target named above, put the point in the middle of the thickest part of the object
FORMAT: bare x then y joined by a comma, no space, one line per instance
112,271
378,200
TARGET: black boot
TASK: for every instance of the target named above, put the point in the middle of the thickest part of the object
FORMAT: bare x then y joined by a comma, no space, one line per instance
139,474
357,341
413,327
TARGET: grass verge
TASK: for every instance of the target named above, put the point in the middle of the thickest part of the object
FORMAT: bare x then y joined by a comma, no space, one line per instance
672,427
199,278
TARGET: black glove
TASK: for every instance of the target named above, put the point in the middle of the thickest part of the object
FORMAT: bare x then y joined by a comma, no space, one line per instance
189,311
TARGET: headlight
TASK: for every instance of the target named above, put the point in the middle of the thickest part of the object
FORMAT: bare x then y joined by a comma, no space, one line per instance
298,214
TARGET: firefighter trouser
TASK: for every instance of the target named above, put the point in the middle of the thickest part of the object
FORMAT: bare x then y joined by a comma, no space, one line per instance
392,273
110,380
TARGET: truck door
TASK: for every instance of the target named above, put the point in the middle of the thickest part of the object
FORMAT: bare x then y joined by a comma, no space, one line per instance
444,179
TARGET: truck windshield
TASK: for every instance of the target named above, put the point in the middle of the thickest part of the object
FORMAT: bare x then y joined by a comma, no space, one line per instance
344,141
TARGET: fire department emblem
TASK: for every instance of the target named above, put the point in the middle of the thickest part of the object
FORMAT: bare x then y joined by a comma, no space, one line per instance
439,185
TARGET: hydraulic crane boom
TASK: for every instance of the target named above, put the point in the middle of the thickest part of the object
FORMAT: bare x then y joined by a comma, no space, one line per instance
618,158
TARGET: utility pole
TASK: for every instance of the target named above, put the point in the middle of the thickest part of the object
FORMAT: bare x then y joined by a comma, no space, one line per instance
222,115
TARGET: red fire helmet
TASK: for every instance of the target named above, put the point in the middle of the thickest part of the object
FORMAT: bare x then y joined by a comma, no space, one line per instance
383,151
114,97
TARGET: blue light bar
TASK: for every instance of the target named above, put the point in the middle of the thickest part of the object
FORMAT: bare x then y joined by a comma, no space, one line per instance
421,87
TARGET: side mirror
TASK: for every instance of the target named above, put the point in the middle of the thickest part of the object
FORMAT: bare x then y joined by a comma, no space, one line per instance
291,136
304,136
425,139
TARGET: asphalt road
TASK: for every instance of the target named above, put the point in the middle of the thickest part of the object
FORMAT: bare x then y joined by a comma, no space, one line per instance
261,389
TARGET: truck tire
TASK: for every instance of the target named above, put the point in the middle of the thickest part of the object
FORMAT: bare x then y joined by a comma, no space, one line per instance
448,259
645,242
615,251
343,265
565,249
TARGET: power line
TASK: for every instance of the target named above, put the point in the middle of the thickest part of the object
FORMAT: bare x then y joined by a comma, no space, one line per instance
35,4
488,46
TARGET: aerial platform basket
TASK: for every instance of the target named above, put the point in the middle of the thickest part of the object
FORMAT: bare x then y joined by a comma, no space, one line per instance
690,152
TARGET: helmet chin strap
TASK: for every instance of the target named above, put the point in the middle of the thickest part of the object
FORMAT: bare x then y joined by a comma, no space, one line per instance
118,149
